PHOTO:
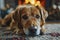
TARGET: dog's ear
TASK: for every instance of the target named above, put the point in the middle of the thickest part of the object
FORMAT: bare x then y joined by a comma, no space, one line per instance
44,14
16,15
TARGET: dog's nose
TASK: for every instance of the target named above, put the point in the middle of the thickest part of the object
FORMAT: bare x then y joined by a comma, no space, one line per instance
32,30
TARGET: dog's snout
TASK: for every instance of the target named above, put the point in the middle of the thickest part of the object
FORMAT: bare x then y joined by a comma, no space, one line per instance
32,30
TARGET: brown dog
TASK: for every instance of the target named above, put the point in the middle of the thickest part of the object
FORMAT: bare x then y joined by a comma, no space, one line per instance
28,19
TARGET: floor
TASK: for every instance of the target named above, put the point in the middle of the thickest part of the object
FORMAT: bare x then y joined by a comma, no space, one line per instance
52,33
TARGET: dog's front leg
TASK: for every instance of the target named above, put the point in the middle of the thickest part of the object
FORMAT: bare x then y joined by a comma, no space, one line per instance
42,28
18,31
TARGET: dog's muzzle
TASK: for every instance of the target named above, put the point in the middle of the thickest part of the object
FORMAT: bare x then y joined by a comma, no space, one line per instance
32,31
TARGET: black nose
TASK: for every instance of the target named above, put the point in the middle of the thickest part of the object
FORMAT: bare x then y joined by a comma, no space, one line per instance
32,31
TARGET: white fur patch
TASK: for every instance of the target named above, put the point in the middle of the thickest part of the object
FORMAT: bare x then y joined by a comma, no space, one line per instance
38,27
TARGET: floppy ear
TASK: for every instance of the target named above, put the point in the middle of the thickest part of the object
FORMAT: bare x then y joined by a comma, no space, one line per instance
17,19
16,15
44,14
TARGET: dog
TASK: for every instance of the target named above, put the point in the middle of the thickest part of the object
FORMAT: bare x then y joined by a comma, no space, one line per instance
28,19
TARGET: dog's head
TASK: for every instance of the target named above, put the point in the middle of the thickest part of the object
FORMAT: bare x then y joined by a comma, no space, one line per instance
31,18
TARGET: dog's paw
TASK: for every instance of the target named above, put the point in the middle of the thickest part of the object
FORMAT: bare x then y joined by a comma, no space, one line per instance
42,31
16,31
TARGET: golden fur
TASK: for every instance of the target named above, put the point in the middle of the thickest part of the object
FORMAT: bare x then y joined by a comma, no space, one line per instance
31,12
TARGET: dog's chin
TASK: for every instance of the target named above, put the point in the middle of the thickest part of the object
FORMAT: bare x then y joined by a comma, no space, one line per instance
30,33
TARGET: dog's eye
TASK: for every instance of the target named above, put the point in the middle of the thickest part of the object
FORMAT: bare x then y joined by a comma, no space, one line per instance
37,16
25,17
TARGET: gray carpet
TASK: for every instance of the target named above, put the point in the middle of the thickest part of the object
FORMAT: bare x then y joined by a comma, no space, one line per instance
51,29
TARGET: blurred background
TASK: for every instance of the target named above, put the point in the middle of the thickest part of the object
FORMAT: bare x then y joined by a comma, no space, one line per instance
52,6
